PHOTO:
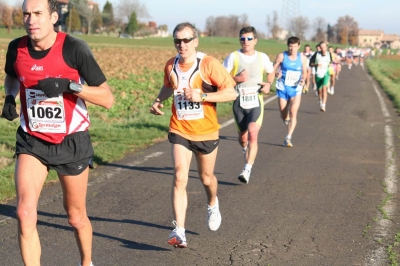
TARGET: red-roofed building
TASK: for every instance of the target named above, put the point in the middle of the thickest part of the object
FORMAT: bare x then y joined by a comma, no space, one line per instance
377,38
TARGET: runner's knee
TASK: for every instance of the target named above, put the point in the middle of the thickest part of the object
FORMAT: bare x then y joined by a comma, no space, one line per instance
27,219
207,179
78,221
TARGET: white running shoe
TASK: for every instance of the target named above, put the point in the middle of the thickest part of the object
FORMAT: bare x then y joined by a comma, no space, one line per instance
329,90
91,264
288,143
323,107
214,217
244,176
332,90
177,237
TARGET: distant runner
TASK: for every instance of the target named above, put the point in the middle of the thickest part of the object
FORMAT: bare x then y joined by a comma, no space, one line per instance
293,67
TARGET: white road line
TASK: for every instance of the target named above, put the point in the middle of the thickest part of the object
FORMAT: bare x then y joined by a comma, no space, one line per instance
379,256
118,170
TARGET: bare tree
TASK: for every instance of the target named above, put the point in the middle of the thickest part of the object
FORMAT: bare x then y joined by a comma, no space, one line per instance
347,30
210,26
273,24
6,16
319,26
126,7
84,10
225,26
17,16
298,26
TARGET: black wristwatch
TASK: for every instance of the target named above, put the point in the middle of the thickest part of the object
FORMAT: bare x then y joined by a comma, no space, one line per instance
74,87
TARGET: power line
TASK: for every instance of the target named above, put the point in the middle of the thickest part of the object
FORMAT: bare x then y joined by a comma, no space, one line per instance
290,10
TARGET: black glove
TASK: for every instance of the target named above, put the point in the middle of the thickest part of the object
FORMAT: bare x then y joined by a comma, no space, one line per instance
9,109
53,87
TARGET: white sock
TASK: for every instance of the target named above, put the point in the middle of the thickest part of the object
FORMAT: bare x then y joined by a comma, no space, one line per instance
248,166
289,137
215,205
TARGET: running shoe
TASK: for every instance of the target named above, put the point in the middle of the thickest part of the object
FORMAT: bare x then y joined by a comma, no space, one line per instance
286,121
177,237
332,90
214,217
316,93
244,176
288,143
322,108
329,91
91,264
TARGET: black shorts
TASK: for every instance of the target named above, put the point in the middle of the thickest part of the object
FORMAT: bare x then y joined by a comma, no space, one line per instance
243,117
71,157
204,147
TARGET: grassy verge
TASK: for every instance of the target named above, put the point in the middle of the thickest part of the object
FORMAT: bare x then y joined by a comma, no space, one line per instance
387,72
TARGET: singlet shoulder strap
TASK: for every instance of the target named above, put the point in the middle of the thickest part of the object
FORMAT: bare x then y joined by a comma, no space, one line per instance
235,68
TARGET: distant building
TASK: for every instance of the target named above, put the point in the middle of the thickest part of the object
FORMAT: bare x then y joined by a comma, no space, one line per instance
282,34
377,38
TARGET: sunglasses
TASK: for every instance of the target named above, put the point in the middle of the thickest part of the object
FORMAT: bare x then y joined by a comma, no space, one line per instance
185,40
242,39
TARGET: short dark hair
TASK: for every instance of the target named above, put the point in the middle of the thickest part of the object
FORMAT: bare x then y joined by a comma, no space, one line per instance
322,43
53,6
183,25
293,40
307,45
248,30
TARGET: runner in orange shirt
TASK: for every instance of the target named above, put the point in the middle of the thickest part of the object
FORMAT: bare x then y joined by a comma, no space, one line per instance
197,82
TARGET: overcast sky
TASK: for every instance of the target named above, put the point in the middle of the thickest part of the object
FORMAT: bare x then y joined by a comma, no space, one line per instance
370,14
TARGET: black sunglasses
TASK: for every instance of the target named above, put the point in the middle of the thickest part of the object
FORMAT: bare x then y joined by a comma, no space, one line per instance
242,39
185,40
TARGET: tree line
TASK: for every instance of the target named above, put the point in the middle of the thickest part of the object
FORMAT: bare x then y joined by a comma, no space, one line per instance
345,31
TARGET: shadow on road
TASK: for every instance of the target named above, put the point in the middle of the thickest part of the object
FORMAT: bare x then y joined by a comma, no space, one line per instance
10,211
165,171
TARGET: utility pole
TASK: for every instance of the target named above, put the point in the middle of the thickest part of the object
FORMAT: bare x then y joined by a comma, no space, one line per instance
290,10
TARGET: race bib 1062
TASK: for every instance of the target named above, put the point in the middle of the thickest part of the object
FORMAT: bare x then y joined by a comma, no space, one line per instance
45,114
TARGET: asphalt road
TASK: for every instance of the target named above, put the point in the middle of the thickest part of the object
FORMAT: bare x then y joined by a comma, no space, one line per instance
313,204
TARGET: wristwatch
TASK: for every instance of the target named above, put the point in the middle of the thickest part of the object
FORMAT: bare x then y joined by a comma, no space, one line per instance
74,87
203,97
